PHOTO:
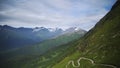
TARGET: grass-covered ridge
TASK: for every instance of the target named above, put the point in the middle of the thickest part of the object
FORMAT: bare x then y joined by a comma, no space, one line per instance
100,44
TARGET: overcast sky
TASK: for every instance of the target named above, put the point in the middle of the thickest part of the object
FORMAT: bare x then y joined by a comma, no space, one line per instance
53,13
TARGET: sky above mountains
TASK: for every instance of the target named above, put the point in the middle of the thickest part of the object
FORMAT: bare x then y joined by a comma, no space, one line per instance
53,13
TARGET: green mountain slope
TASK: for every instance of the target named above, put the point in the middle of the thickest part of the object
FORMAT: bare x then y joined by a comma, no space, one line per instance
38,51
100,47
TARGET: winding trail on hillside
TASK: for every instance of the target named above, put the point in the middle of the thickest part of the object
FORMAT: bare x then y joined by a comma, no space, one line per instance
83,58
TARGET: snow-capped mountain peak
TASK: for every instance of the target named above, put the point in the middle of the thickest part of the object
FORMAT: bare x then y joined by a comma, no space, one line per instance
38,29
52,29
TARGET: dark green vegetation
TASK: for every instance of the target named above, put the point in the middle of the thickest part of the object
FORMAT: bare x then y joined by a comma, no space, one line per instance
40,53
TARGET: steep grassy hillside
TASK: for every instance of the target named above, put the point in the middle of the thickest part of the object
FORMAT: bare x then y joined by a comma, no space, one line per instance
100,47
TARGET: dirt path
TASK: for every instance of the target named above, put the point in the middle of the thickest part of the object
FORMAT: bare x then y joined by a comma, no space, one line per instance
83,58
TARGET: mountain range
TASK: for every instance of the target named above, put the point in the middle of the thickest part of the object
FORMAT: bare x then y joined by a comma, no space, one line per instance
57,37
11,37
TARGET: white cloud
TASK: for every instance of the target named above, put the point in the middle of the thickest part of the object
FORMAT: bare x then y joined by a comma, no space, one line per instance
56,13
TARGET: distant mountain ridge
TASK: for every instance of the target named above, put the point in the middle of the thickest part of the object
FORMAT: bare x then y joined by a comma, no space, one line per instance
29,52
11,37
74,29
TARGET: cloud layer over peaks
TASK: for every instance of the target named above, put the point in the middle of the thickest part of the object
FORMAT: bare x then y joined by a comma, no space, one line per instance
53,13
